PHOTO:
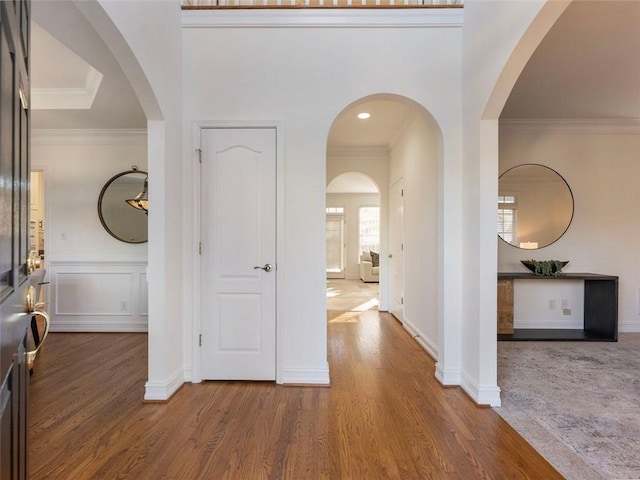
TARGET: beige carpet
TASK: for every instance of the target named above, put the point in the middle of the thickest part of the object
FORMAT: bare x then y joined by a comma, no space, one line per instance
577,403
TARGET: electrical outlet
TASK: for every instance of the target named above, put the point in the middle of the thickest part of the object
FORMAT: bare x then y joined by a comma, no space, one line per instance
552,304
566,311
123,306
565,304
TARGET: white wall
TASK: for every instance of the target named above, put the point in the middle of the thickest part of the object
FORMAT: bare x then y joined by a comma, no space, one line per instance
414,157
305,77
97,283
270,68
602,170
352,203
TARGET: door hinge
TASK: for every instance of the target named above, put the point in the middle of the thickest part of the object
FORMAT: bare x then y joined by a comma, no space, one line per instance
200,340
402,247
402,192
199,150
401,300
199,248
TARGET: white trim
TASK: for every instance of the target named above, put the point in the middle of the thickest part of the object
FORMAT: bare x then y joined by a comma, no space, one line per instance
577,324
306,376
94,79
313,17
482,395
448,377
575,125
381,152
196,296
104,325
162,391
629,327
74,98
422,340
95,261
120,136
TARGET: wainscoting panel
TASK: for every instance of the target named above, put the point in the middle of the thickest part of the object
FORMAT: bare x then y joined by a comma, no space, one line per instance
97,295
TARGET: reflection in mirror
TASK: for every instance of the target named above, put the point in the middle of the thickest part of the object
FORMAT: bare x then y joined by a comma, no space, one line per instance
535,206
122,221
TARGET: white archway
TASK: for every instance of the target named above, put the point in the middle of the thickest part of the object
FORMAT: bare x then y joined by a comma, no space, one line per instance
413,152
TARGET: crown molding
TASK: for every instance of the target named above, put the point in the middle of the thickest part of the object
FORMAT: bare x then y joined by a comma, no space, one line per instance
405,17
378,152
88,136
76,98
582,125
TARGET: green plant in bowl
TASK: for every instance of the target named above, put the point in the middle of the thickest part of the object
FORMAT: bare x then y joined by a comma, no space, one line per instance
545,267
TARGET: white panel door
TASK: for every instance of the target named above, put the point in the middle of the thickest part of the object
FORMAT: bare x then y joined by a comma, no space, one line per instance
396,253
238,205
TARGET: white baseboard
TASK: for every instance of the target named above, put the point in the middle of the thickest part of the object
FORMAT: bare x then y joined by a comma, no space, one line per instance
422,340
306,376
106,326
629,327
482,395
162,391
447,377
550,325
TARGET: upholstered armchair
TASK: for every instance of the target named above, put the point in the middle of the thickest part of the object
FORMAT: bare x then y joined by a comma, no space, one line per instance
369,272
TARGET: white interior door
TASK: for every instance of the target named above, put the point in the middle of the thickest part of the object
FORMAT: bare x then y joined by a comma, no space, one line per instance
238,207
396,253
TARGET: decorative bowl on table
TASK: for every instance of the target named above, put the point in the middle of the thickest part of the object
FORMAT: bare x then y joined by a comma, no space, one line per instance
545,267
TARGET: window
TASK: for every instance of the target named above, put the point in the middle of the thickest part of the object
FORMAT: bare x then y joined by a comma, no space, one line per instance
369,229
336,210
335,242
507,209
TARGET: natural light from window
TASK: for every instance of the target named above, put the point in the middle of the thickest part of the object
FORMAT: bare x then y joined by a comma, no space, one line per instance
369,228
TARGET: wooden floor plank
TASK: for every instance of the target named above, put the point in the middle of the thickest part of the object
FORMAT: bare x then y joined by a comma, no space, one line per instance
384,417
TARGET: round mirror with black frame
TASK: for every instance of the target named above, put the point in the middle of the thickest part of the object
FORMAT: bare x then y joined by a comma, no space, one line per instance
119,217
535,206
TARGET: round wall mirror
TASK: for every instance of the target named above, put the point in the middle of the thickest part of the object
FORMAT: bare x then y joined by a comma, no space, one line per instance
535,206
119,218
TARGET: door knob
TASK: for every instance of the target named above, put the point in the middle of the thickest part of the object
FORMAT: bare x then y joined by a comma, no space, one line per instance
390,256
267,267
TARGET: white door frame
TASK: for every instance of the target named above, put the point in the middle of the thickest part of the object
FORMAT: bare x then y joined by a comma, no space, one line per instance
195,260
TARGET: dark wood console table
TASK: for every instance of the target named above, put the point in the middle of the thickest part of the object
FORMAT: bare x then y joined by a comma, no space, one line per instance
600,309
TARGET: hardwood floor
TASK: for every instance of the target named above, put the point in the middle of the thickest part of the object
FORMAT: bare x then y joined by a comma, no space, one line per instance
384,417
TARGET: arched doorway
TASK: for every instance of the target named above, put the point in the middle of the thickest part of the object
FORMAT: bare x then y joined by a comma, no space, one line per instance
398,147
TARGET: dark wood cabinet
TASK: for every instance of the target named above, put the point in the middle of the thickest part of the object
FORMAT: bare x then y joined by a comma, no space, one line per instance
14,222
600,309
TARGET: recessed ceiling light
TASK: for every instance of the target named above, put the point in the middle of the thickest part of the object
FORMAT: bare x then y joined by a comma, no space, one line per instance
364,115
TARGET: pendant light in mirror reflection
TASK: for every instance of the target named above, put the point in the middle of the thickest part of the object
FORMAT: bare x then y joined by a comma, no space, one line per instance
535,206
141,202
123,205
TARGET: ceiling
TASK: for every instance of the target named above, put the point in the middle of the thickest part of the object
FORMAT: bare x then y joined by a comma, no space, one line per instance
588,66
76,81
